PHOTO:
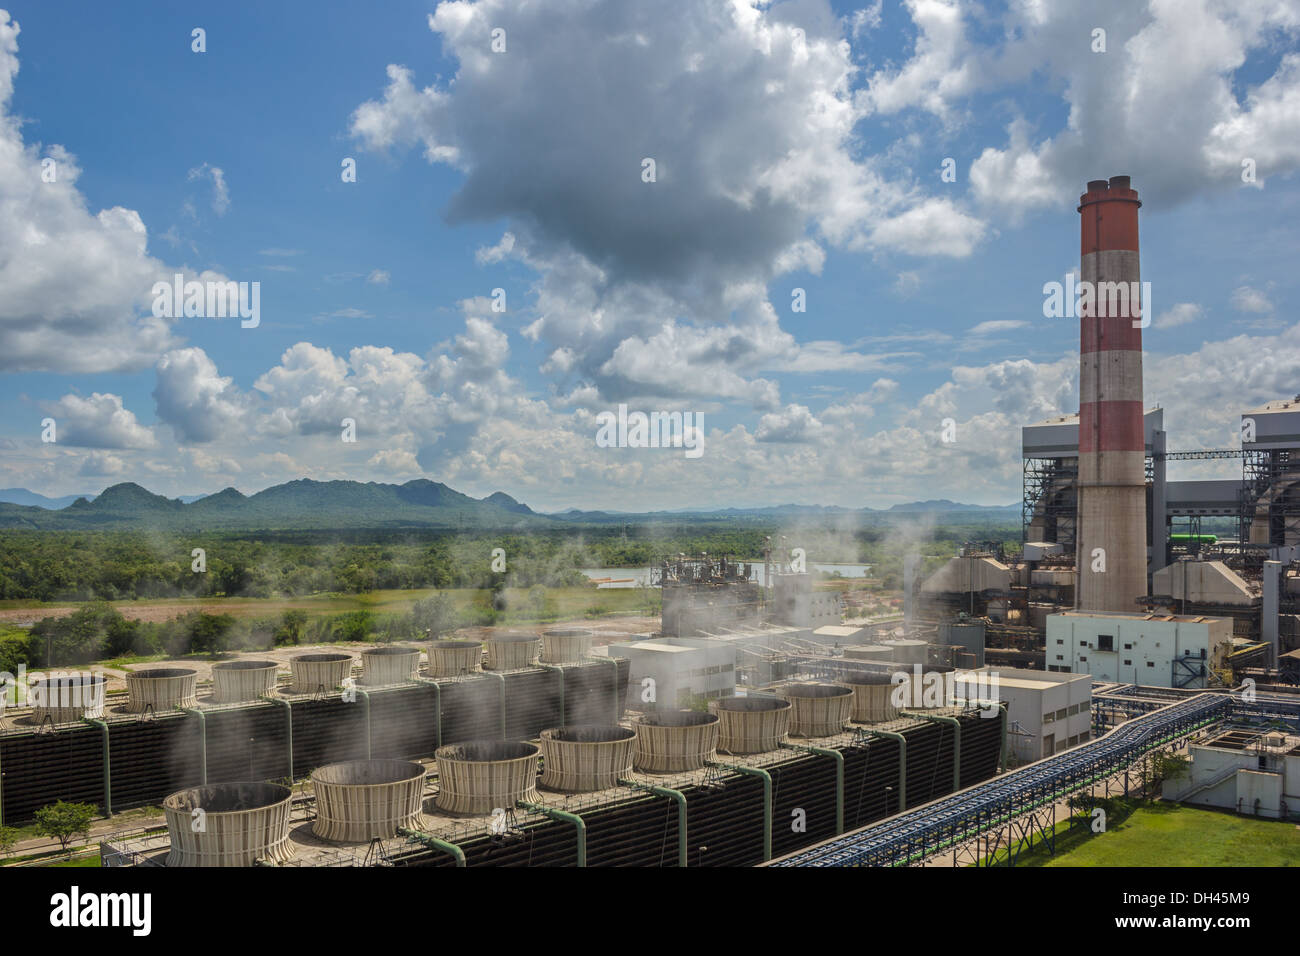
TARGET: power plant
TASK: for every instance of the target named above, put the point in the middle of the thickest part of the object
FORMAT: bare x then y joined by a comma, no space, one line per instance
755,726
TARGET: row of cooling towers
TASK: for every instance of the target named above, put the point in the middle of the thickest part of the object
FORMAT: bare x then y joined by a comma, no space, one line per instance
360,800
71,697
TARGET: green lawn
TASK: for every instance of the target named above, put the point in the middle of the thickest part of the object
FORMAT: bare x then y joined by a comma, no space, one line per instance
92,860
1164,834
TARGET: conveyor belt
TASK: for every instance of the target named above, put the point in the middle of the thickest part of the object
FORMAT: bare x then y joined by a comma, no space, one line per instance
919,833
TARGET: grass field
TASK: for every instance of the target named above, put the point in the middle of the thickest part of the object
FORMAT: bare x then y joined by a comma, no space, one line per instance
1164,834
560,604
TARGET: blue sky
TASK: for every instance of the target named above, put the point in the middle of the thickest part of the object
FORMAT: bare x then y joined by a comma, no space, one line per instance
788,160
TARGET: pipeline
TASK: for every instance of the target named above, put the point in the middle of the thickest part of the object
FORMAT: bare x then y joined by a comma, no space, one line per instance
838,757
108,775
956,743
767,799
288,718
1002,754
203,742
902,764
563,816
433,843
683,857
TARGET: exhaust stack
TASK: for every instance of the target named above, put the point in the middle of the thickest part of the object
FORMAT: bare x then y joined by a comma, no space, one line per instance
1112,543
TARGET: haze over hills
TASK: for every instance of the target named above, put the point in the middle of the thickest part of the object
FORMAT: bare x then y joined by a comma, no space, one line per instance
304,503
21,496
420,503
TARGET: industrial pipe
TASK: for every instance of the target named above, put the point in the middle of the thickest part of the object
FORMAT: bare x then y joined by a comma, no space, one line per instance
203,742
902,763
288,717
683,857
365,696
1002,753
433,843
838,757
956,743
108,775
502,679
767,800
559,670
563,816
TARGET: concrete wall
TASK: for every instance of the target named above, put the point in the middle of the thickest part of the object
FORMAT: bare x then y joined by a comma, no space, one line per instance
1143,649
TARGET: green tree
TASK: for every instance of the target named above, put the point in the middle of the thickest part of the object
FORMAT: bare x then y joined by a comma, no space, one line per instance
76,639
63,821
435,614
8,840
210,633
292,624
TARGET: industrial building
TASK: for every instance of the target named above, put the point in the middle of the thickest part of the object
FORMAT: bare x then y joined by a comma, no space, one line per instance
673,672
753,704
1163,650
1105,533
1245,769
1046,712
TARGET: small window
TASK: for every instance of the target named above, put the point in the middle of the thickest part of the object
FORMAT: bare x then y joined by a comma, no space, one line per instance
1083,660
1059,641
1105,642
1128,647
1151,663
1128,663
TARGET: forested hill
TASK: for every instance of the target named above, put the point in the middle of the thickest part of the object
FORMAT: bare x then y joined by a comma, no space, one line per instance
307,505
302,504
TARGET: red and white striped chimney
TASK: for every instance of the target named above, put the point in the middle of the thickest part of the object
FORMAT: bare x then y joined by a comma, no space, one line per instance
1111,536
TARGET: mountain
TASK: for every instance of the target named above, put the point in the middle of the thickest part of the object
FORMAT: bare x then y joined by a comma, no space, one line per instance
943,504
503,500
300,504
306,504
21,496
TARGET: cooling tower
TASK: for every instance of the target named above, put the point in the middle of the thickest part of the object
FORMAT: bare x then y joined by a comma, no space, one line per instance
454,658
391,664
479,776
319,673
228,824
673,741
752,725
63,698
872,698
566,645
510,651
584,758
818,710
243,680
1112,539
869,652
359,800
907,650
160,688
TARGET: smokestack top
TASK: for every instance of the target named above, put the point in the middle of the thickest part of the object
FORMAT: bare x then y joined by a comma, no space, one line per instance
1118,189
